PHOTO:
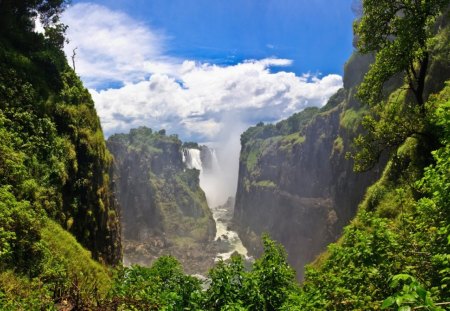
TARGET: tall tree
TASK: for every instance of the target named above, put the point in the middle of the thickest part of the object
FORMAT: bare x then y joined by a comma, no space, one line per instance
19,15
398,32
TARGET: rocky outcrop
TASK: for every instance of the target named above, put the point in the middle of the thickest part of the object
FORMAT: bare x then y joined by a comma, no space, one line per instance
164,210
295,182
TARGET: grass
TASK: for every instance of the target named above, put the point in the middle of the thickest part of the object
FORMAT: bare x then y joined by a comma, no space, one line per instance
266,184
69,255
351,118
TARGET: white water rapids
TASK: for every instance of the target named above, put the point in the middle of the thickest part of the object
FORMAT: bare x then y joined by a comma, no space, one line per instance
222,212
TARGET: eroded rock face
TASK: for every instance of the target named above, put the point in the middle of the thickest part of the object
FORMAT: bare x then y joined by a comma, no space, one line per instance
164,210
296,183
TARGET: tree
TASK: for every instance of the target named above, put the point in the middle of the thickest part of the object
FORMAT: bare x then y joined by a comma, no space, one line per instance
274,278
398,32
227,284
21,13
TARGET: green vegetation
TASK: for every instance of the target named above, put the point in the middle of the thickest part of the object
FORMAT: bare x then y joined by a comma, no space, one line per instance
351,119
399,237
295,123
53,170
230,287
399,32
265,140
266,184
402,34
338,145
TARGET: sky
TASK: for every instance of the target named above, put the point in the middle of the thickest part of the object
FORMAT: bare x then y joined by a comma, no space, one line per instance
205,69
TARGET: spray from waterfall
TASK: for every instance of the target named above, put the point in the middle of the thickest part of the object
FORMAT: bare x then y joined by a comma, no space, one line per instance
205,160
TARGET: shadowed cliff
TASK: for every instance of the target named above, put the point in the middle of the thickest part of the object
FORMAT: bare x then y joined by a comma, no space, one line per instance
295,182
164,210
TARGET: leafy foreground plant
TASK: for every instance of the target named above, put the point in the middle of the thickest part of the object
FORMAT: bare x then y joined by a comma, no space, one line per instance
410,294
266,286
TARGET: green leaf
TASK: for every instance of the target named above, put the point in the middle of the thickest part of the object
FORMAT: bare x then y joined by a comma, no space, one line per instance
388,302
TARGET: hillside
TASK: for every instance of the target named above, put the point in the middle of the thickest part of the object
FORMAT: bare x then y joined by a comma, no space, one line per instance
296,179
57,210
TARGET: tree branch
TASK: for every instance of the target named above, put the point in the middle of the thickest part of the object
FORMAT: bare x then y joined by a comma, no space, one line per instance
73,57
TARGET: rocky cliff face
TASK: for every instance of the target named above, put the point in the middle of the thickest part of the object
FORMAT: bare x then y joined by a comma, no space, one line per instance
295,182
164,209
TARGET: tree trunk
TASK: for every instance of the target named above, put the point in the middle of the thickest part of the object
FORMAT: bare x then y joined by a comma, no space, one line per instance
421,82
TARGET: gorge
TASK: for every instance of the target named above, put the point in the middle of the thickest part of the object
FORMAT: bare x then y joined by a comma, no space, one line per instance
168,193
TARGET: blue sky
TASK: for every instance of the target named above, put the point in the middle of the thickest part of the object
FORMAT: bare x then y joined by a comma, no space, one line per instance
315,34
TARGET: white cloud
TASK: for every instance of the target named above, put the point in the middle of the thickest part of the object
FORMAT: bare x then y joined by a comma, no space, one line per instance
111,46
208,94
197,100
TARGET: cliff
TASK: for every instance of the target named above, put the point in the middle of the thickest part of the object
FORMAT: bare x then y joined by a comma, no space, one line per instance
164,210
295,182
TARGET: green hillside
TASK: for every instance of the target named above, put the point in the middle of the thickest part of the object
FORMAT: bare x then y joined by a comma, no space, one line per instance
55,198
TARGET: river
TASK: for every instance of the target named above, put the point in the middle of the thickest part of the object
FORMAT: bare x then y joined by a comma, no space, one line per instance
222,210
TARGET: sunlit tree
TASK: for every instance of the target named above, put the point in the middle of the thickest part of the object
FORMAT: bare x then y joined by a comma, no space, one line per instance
398,32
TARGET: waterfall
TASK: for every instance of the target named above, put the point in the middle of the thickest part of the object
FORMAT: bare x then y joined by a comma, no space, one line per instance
206,161
192,158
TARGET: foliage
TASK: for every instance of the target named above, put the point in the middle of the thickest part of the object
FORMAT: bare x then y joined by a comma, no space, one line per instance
54,176
265,287
410,294
398,236
285,135
403,36
273,276
398,31
161,287
291,125
227,287
387,127
20,236
53,170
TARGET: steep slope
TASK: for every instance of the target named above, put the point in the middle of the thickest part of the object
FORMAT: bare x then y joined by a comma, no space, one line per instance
54,165
164,210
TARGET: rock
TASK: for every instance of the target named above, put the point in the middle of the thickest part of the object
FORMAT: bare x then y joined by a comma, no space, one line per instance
162,204
297,184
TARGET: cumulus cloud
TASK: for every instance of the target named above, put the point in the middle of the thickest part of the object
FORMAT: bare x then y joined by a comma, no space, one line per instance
201,100
186,97
111,46
198,101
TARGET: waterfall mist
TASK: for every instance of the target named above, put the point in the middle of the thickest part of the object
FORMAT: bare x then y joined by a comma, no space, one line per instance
220,182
